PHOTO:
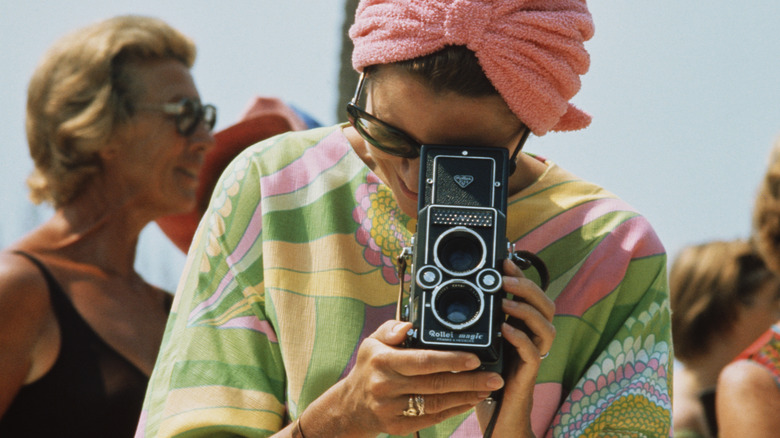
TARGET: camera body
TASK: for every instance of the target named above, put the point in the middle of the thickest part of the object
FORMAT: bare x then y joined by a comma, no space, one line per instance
458,250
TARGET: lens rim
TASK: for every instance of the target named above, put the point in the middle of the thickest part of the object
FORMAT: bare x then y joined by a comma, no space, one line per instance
444,287
459,229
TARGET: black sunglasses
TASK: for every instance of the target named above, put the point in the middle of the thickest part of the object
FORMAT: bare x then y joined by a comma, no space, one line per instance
381,135
188,114
390,139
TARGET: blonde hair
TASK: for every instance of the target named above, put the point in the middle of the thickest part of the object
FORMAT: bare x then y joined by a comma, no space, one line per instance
766,212
708,283
81,92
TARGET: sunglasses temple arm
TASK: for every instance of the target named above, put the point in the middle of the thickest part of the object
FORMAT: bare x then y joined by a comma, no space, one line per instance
518,148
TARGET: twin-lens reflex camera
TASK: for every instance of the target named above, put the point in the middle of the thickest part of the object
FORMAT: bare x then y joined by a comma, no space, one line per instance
454,299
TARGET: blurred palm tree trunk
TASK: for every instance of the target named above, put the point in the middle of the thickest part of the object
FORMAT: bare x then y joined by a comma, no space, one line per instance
347,76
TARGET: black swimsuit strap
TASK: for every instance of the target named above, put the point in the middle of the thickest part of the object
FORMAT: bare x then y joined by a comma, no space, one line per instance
57,295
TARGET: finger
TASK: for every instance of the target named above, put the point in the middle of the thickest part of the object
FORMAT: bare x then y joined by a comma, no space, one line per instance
511,268
447,382
516,284
410,361
526,349
392,332
437,403
417,362
402,425
540,330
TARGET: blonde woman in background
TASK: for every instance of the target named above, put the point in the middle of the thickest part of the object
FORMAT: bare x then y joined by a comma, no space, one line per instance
117,132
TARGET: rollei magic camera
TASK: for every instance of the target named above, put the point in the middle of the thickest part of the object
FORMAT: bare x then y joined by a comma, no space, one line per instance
454,299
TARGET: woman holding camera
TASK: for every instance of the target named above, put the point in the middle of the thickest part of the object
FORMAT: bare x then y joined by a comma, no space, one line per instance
285,323
117,132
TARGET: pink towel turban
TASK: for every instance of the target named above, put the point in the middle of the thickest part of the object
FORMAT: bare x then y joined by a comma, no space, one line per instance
531,50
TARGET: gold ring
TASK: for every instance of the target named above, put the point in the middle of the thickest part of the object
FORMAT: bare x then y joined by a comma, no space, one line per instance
411,411
420,402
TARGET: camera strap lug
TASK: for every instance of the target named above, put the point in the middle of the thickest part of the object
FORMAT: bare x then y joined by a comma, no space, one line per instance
402,261
526,259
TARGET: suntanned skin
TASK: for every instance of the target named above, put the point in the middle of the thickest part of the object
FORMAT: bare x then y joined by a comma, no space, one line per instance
701,373
89,245
747,402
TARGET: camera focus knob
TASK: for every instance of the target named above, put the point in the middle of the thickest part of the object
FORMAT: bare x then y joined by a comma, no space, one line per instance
489,280
429,276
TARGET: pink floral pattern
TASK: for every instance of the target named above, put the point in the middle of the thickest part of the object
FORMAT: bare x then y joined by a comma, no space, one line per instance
383,229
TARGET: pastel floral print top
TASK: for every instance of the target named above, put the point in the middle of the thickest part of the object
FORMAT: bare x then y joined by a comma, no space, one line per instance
293,266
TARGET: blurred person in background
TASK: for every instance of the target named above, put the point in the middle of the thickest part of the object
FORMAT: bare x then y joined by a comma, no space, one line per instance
748,390
117,132
723,297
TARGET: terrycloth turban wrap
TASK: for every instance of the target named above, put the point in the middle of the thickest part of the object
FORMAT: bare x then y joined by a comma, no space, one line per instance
531,50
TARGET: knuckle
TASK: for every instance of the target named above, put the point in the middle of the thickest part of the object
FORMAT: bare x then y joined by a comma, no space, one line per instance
421,362
439,383
384,407
379,359
378,385
527,283
553,331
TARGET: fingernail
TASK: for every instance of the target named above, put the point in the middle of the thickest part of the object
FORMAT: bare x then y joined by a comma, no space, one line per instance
495,382
508,328
472,363
397,328
510,303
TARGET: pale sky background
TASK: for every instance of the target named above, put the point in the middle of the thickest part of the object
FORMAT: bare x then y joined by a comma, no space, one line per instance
685,97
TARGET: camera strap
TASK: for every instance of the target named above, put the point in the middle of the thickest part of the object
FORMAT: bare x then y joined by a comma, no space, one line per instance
526,260
402,261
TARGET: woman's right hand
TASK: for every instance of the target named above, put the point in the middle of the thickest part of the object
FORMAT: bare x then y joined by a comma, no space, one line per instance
374,395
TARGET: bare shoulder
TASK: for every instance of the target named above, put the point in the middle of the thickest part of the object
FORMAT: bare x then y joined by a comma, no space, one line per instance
23,288
25,316
748,401
746,376
25,307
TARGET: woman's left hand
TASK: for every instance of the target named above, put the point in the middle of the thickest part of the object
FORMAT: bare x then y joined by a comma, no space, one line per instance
530,331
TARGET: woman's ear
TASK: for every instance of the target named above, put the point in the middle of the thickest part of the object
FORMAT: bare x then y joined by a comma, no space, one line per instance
108,152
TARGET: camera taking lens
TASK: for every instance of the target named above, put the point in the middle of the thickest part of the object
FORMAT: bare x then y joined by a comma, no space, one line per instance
457,304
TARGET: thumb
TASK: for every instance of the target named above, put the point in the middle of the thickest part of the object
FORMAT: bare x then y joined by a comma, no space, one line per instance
392,332
511,268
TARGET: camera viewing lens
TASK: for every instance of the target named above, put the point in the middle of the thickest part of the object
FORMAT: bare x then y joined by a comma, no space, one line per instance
460,251
457,304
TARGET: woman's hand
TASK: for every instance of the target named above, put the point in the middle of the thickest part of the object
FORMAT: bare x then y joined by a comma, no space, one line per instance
530,331
373,397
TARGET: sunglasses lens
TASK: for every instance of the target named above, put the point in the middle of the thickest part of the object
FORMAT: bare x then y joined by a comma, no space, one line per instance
382,136
188,117
192,113
210,116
